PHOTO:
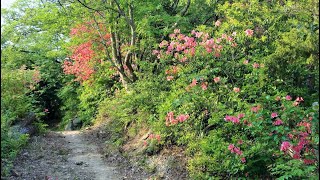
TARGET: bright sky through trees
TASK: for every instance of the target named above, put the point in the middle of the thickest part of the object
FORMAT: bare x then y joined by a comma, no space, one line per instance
6,3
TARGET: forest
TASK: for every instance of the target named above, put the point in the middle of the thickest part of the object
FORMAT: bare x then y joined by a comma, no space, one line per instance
233,84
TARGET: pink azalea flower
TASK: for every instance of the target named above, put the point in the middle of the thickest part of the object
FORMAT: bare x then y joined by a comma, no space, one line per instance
204,85
249,32
278,122
155,52
193,83
296,103
170,116
227,118
172,36
184,59
217,23
176,31
182,117
216,79
198,34
285,146
169,78
308,161
229,39
230,147
236,89
240,141
46,110
237,151
216,54
278,98
241,115
296,156
274,114
234,149
163,43
255,109
234,44
224,36
232,119
243,160
235,120
255,65
180,47
218,40
181,37
289,98
158,137
299,99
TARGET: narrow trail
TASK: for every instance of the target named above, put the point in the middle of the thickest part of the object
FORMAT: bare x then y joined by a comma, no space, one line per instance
64,155
86,153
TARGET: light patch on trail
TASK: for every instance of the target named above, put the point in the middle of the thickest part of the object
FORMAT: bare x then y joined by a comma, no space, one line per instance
87,156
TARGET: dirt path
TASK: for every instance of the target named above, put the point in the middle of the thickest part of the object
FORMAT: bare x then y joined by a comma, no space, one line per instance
86,153
62,155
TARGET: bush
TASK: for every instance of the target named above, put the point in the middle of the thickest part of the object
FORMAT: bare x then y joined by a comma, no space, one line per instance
15,104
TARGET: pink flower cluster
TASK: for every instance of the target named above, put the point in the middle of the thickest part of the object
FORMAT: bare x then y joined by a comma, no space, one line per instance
154,136
216,79
36,76
298,101
151,137
236,150
183,46
255,108
277,122
274,115
171,72
301,146
170,120
236,89
249,32
285,146
204,85
192,84
234,119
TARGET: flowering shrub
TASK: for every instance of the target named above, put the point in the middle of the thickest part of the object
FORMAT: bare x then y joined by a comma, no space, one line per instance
83,59
16,101
227,99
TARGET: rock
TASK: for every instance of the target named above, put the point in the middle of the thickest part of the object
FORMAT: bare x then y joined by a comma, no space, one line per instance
31,117
14,173
68,127
79,163
73,124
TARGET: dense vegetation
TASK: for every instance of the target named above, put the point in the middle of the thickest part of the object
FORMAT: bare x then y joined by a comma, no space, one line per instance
233,83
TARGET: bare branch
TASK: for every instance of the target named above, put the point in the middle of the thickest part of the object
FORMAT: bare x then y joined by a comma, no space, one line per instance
97,10
184,11
175,5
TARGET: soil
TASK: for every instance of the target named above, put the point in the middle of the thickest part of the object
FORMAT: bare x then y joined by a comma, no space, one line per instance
83,155
72,155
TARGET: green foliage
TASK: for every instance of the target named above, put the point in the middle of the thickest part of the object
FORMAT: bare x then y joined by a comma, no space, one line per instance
190,97
15,84
15,104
